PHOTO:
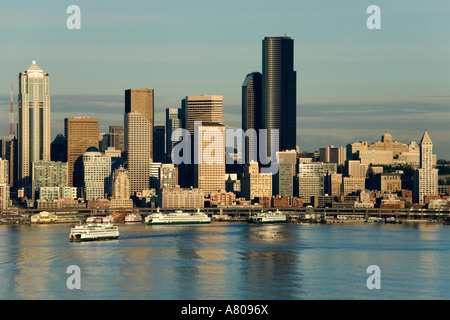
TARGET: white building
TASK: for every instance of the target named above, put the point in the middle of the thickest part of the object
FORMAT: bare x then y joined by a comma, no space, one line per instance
97,174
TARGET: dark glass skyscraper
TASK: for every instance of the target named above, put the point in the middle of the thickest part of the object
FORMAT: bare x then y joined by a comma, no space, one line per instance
251,110
279,90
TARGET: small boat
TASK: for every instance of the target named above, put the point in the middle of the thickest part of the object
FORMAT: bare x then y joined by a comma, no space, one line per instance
177,217
133,217
268,217
94,231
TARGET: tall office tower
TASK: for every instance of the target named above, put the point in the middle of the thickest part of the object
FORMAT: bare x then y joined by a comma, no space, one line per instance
139,112
97,174
48,174
116,137
279,91
252,112
206,109
209,167
159,143
34,122
81,133
120,193
426,177
174,121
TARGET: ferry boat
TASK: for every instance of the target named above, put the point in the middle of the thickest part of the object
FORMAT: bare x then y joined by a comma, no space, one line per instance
268,217
133,217
177,217
94,231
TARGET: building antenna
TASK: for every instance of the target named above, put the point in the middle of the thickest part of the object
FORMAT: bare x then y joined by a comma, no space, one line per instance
11,114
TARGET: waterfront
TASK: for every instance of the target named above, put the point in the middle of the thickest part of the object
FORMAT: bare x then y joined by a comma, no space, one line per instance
236,261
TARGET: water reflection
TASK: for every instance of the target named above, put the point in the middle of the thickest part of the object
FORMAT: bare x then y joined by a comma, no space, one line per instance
228,261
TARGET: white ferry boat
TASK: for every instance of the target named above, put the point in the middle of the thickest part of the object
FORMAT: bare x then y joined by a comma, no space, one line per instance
133,217
94,231
268,217
177,217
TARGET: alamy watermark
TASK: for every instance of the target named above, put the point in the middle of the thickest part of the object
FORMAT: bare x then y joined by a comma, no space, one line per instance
374,281
210,145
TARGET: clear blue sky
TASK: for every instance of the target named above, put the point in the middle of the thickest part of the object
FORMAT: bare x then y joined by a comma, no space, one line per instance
353,83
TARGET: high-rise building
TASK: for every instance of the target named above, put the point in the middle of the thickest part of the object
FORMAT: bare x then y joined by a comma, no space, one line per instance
139,115
426,177
4,171
116,137
97,174
252,112
279,82
81,133
58,149
121,189
174,121
283,180
204,108
34,136
311,179
48,174
255,184
209,167
159,143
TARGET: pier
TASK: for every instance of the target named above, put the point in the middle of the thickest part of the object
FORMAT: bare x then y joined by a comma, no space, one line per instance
241,213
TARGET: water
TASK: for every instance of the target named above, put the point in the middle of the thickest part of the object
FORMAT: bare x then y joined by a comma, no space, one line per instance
223,261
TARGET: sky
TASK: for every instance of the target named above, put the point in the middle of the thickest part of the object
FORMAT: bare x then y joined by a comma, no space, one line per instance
353,83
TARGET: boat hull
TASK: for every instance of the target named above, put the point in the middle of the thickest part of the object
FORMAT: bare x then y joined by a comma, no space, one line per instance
104,238
177,222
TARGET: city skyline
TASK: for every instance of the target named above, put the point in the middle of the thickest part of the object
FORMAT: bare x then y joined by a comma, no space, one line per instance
353,83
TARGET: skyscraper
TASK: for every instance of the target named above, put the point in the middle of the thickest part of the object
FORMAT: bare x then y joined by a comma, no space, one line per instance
174,121
209,167
159,143
426,177
252,111
97,174
34,122
81,133
139,115
279,91
204,108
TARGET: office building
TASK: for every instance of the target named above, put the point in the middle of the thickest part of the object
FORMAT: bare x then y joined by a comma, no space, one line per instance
139,115
168,176
252,113
34,135
116,137
279,81
283,180
255,184
48,174
204,108
159,143
209,167
120,193
426,177
97,174
81,133
174,120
